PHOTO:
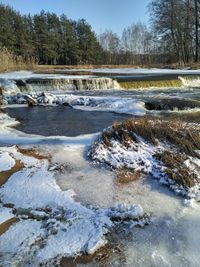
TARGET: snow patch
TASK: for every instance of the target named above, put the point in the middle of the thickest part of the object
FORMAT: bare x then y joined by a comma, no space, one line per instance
6,161
5,214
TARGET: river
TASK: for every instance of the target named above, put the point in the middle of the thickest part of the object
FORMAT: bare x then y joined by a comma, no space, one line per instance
172,238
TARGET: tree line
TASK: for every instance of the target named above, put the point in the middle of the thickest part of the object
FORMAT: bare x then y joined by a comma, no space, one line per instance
49,38
173,36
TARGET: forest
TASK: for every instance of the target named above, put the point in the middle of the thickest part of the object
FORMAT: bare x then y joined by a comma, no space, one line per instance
173,36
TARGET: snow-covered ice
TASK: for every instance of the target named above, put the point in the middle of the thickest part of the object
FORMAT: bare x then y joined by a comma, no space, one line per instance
6,162
63,227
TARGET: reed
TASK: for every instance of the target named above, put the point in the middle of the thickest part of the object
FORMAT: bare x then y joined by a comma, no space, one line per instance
11,62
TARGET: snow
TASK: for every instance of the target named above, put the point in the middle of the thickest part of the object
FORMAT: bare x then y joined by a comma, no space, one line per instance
140,156
6,162
5,214
21,75
142,71
28,180
20,235
112,104
88,103
66,227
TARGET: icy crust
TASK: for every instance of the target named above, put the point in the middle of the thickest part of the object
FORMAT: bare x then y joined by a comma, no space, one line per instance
52,224
141,156
115,104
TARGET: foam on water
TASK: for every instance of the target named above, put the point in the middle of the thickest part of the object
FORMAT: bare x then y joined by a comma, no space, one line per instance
190,81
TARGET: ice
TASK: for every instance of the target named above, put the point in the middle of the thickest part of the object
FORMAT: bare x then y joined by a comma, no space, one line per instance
62,226
118,105
21,75
72,228
143,71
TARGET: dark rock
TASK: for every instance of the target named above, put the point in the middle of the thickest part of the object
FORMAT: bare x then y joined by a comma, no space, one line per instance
31,101
172,104
20,82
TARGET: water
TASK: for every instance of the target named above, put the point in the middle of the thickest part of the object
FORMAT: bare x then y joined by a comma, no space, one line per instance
65,121
62,120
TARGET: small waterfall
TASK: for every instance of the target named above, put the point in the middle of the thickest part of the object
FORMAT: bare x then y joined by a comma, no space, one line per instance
28,85
42,85
190,81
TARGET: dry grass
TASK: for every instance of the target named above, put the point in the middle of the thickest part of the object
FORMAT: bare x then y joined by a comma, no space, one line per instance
11,62
5,175
149,84
125,176
176,170
32,153
6,225
102,257
181,135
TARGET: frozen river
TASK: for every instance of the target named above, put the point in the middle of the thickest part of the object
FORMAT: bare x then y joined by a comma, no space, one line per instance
63,135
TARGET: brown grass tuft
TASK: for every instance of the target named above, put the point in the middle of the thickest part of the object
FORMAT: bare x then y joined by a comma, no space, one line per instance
125,176
5,175
6,225
100,257
184,137
176,170
32,153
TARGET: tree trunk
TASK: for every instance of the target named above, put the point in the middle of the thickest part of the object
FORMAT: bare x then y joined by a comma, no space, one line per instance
196,31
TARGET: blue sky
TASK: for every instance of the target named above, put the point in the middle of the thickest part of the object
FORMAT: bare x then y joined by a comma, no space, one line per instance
101,14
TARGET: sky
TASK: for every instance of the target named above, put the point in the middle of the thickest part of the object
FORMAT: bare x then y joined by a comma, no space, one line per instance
100,14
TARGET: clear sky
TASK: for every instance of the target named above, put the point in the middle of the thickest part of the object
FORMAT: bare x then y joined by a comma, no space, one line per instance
101,14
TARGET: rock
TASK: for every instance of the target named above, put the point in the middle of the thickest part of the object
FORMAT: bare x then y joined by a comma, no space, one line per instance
1,96
172,104
31,101
20,82
65,104
21,100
